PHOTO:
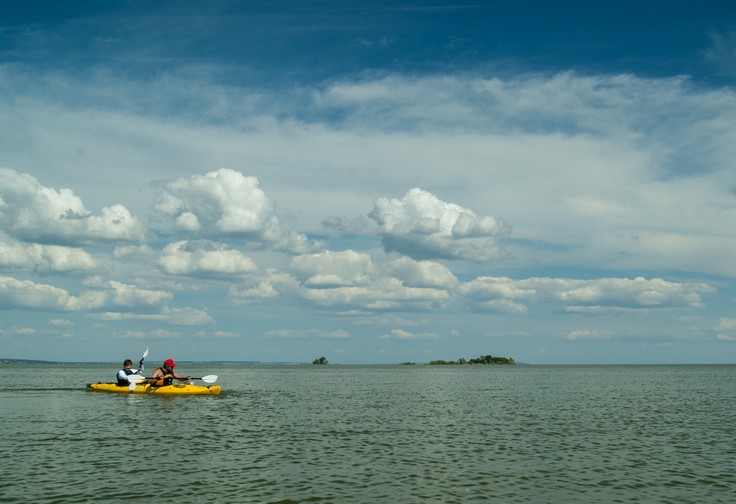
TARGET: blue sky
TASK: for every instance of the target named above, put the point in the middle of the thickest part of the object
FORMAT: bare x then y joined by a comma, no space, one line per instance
398,181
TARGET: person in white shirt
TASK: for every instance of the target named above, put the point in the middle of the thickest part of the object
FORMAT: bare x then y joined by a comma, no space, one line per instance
128,370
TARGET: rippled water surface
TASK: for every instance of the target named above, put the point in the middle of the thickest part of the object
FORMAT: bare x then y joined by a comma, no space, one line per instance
389,434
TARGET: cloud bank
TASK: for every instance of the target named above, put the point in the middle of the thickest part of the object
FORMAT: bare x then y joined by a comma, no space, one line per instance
392,200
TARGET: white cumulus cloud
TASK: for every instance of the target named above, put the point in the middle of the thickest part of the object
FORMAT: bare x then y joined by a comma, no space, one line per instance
15,293
422,226
348,280
331,269
44,258
586,334
401,334
220,203
33,213
422,273
581,295
296,334
204,258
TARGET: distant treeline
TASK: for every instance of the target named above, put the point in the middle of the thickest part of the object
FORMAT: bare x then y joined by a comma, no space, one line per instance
483,359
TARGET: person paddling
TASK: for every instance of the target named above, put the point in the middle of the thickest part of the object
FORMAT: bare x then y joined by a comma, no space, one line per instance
128,370
165,375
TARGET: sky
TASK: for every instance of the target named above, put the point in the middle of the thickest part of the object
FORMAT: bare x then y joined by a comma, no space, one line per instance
373,182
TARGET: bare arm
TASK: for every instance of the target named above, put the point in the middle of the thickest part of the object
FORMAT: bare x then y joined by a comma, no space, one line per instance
155,376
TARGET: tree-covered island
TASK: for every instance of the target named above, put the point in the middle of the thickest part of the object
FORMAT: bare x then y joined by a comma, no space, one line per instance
483,359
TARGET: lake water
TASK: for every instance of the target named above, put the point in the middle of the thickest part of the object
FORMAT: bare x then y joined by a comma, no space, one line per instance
378,434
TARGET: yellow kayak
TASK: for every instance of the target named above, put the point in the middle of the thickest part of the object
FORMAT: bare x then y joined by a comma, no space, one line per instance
147,388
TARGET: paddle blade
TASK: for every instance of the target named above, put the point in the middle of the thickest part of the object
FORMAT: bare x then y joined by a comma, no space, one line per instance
145,354
135,378
208,379
132,386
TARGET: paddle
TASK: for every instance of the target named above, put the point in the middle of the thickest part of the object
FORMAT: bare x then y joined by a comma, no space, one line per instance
132,383
135,379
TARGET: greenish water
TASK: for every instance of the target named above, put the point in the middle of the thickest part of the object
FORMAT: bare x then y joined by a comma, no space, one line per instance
389,434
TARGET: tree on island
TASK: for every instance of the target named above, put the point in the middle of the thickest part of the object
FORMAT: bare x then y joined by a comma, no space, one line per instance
321,360
483,359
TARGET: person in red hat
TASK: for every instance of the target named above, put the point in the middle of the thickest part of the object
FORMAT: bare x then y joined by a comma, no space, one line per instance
165,375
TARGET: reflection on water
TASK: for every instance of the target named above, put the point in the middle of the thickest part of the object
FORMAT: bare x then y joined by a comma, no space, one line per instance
375,434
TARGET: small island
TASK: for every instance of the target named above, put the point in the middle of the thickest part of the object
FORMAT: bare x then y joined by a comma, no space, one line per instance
483,359
321,361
